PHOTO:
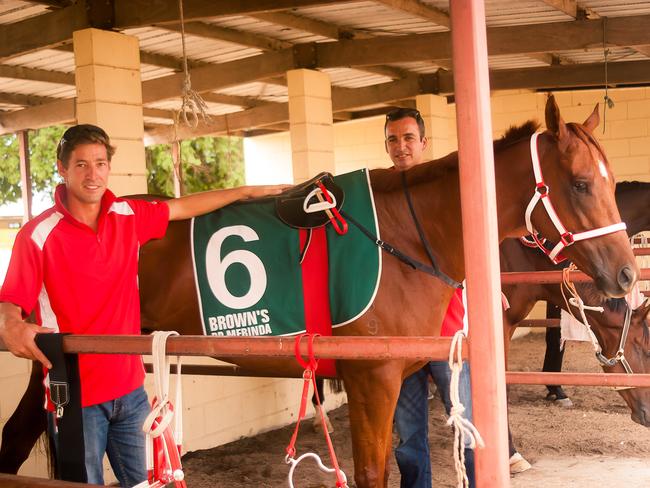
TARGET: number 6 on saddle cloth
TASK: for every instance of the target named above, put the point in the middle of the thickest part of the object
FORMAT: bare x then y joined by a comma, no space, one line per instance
313,203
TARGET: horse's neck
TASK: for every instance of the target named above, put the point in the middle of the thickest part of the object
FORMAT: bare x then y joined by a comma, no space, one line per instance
633,202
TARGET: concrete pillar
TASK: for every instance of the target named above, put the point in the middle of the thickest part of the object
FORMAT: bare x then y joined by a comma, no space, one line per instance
436,114
109,94
310,123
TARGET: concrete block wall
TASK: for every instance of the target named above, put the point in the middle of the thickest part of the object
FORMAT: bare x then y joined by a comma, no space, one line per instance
626,137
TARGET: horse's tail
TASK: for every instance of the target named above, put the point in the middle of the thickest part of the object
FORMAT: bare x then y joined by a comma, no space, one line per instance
336,385
46,445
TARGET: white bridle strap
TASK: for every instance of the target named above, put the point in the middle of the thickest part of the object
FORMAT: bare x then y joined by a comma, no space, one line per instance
542,193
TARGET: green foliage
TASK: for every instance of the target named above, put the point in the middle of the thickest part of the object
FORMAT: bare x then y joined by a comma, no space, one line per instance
42,158
207,163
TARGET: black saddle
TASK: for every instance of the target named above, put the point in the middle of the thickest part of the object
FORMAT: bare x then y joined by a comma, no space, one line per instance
304,206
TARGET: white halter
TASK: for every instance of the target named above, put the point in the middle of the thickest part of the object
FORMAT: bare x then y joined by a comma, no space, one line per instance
542,193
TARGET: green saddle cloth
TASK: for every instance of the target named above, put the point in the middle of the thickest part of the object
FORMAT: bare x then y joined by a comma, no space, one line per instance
247,266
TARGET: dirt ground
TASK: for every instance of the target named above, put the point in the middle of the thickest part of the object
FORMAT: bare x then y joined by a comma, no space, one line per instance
594,444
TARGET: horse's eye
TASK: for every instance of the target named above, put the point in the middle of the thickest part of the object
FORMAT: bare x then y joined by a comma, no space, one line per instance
580,186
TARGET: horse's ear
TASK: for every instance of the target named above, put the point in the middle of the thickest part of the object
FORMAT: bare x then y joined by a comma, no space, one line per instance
554,121
593,120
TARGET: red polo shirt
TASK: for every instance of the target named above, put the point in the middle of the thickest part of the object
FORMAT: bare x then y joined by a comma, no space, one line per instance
454,318
86,282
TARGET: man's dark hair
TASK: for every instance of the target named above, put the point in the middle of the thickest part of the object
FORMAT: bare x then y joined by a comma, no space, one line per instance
402,113
82,134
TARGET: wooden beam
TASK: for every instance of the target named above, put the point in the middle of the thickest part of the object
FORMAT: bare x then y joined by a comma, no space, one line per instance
235,100
248,39
134,13
35,74
561,76
569,7
26,100
314,26
347,99
216,76
59,112
419,9
42,31
158,113
645,50
154,59
521,39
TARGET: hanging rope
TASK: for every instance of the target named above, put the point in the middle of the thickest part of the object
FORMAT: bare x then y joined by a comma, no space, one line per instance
609,103
192,103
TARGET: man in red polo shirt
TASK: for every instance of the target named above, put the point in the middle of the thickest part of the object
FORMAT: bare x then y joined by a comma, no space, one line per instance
76,267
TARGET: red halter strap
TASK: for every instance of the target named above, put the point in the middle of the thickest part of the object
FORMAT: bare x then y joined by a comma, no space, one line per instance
542,193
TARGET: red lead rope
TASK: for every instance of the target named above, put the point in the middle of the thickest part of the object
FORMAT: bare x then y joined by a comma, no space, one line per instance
309,376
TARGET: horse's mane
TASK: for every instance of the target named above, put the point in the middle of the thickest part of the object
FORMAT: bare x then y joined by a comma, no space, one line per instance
390,180
631,185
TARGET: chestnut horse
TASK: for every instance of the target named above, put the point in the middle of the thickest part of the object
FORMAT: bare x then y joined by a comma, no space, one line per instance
633,199
409,303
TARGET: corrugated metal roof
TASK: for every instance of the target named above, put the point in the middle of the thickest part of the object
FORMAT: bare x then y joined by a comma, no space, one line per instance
16,10
617,8
364,18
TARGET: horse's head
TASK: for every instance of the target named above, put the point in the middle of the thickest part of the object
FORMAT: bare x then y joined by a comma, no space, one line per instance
581,187
636,351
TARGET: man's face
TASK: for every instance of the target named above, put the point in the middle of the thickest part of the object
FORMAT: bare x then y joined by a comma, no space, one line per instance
403,143
86,176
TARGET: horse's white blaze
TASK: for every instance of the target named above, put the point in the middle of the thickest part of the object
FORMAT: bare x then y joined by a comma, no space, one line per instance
603,169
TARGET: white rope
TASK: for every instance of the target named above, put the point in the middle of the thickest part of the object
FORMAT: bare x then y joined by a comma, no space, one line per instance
463,428
161,367
191,102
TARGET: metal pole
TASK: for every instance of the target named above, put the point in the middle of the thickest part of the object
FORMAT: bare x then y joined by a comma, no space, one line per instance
25,174
472,93
421,348
578,379
548,277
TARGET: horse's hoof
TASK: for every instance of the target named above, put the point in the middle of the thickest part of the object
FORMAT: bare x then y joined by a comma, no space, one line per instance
318,422
564,402
518,464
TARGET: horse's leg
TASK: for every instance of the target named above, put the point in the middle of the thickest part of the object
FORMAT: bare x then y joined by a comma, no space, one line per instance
553,358
372,388
25,425
320,409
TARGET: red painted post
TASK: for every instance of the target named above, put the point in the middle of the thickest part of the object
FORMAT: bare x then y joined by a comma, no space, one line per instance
472,93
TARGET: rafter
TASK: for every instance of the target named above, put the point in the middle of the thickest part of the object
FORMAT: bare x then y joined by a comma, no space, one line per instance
25,100
569,7
133,13
248,39
314,26
34,74
419,9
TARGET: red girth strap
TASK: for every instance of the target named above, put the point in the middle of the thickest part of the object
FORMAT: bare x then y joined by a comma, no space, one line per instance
309,376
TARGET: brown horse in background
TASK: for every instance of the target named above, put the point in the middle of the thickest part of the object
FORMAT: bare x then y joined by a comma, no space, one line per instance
633,199
409,303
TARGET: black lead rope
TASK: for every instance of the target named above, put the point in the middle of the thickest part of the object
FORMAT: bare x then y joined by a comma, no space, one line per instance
413,263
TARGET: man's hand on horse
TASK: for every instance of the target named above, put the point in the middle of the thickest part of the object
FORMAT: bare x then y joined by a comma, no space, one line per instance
18,335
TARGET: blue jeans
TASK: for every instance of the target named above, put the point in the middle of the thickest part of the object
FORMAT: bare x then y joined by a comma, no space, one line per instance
115,428
412,422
